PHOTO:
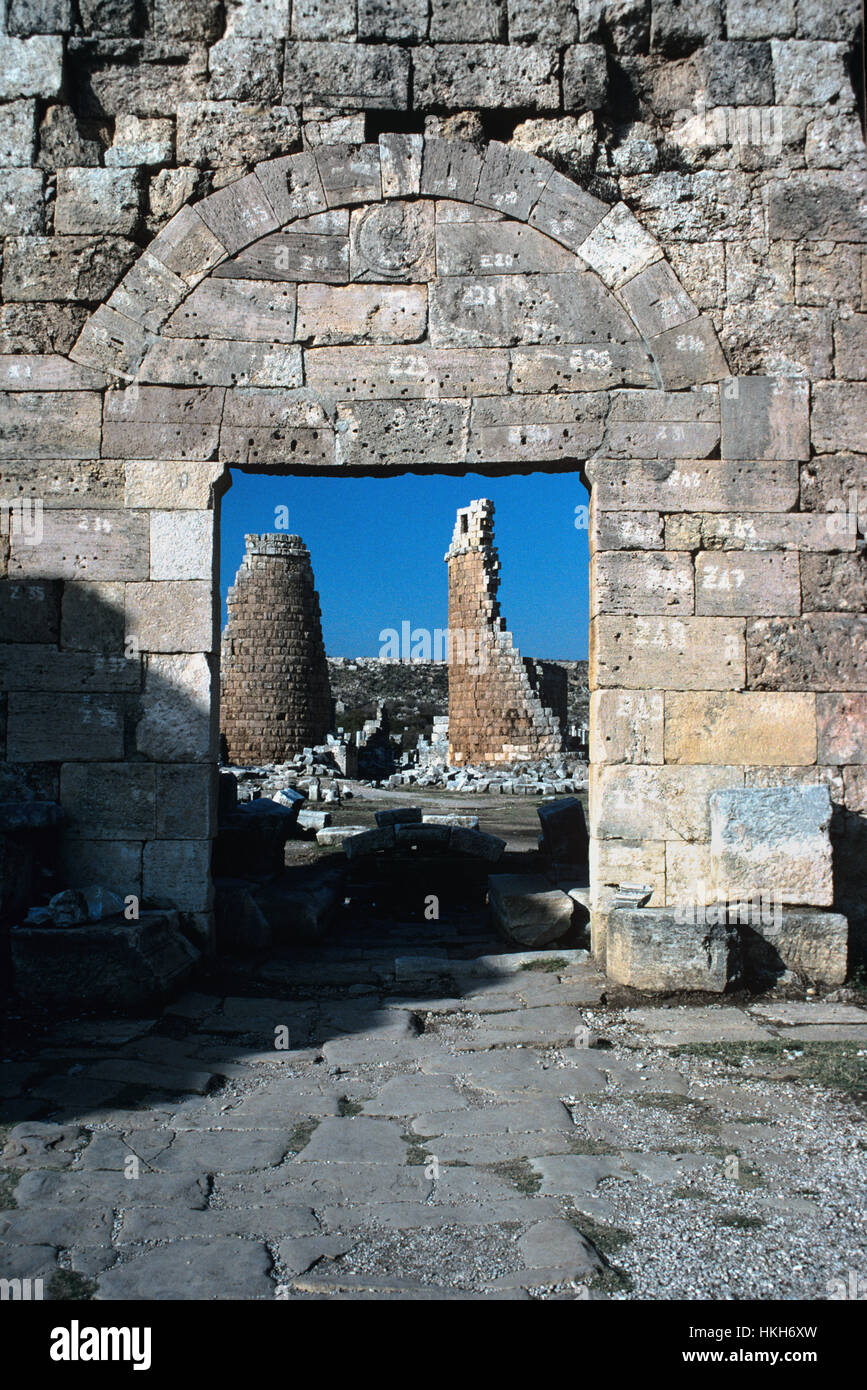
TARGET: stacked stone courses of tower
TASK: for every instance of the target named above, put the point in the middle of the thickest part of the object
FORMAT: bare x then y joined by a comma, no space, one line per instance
275,696
495,714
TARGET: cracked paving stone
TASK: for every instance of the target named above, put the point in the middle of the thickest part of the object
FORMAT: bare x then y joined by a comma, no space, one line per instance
225,1151
146,1223
356,1139
220,1268
55,1226
112,1189
27,1261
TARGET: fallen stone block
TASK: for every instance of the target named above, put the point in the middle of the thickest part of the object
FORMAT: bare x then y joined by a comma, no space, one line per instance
648,948
309,819
528,910
564,831
467,822
336,834
368,841
129,966
420,836
399,815
813,946
773,841
477,843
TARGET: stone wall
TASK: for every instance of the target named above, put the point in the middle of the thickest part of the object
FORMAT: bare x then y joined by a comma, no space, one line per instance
274,693
644,260
496,714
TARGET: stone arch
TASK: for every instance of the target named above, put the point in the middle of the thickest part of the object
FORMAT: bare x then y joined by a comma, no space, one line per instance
702,639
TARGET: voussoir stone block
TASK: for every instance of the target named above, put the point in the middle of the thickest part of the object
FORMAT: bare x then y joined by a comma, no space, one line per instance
618,247
773,840
349,173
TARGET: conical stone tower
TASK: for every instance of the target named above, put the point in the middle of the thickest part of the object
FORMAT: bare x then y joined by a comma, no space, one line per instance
275,697
495,713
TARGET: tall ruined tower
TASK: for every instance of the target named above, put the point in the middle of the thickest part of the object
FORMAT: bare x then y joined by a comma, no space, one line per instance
274,692
495,711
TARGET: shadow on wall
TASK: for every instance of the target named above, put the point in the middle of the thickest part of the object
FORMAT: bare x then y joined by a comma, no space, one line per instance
108,772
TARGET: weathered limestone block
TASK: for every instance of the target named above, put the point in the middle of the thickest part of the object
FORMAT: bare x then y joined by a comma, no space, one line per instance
623,582
197,361
511,180
511,429
494,248
646,653
801,531
108,801
613,862
688,354
148,293
112,342
186,801
115,864
392,19
92,617
97,200
819,651
656,300
29,612
626,726
46,372
238,213
138,141
30,67
210,131
812,945
32,666
465,21
486,75
131,966
566,213
748,582
292,186
171,486
476,843
564,830
765,418
400,159
275,427
244,69
181,545
834,582
818,206
155,422
413,433
693,485
580,367
528,910
187,247
585,76
688,878
773,840
349,77
393,241
839,417
302,253
648,948
668,425
18,133
494,310
450,169
91,728
102,544
625,530
631,802
179,870
836,485
22,203
63,268
243,310
382,313
175,722
349,174
402,373
740,728
618,247
173,615
842,723
36,424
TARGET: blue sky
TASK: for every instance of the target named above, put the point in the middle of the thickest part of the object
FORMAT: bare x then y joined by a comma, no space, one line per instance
377,546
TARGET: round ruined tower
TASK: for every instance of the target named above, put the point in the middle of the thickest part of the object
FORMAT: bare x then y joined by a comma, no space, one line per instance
275,697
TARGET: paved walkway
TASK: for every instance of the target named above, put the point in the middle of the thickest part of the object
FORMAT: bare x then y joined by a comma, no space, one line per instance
417,1121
